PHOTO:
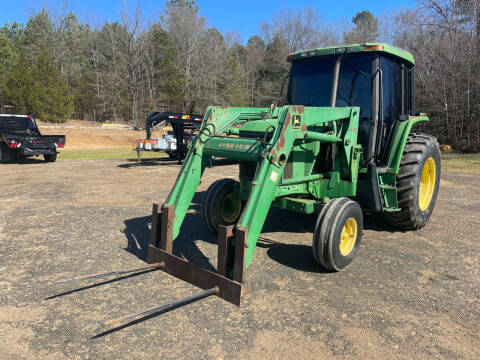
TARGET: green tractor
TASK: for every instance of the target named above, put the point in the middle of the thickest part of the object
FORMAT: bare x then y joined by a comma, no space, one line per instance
339,144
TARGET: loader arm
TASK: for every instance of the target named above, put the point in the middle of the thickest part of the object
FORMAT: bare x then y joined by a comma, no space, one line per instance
227,132
188,180
264,185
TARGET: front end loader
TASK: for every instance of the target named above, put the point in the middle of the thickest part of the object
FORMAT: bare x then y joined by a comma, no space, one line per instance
338,145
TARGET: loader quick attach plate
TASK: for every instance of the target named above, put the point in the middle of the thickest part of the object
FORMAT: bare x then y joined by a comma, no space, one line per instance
160,251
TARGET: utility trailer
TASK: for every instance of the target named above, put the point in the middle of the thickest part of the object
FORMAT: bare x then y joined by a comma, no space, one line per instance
340,144
21,138
184,128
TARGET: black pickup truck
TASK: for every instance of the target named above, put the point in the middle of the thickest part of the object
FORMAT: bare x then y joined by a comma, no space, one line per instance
20,138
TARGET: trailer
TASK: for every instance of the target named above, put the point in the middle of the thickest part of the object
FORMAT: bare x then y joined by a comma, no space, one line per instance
175,143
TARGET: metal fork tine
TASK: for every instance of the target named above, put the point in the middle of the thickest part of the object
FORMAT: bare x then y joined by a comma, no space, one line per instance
169,305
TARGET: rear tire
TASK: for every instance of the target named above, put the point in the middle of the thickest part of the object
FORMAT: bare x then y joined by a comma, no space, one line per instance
218,209
50,157
338,232
418,180
5,153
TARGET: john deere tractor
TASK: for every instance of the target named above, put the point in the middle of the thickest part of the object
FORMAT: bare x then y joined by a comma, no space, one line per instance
339,144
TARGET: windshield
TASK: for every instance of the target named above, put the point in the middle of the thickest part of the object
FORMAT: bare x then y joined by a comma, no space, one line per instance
311,82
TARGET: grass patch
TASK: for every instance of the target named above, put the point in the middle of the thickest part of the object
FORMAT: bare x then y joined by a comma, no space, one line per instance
109,153
463,163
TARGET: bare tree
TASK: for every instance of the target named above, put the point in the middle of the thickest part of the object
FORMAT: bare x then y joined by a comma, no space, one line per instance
302,29
443,36
186,26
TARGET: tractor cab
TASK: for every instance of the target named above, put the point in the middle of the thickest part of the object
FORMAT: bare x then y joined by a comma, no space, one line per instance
378,78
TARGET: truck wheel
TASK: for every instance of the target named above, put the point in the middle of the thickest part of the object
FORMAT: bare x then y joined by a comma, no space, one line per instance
218,207
417,182
338,232
5,153
50,157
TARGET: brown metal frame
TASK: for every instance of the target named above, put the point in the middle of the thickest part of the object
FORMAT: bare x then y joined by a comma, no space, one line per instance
231,257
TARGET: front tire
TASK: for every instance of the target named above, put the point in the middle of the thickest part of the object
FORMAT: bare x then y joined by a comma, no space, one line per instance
337,235
219,206
418,181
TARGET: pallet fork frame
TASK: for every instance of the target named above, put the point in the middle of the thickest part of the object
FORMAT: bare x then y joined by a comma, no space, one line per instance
230,258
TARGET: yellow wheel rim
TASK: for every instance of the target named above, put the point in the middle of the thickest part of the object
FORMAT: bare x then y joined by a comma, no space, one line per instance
348,237
427,184
230,211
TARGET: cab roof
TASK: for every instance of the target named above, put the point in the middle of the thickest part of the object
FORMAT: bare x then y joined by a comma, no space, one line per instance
354,48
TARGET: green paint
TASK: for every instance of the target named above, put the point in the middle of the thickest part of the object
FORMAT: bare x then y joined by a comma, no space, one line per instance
399,140
304,206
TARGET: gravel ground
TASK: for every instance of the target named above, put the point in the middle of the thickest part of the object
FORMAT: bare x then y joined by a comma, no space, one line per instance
407,295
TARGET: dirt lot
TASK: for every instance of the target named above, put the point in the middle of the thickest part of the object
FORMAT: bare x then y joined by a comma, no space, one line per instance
87,135
411,295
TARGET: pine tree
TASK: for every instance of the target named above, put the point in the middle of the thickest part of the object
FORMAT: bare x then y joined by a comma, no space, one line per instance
18,84
49,96
365,30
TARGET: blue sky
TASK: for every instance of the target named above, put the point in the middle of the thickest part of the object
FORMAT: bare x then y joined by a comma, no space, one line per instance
243,16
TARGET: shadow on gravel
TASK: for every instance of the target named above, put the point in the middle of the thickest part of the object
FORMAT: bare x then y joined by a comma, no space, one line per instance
97,284
137,232
279,220
295,256
378,223
299,257
285,252
27,161
148,162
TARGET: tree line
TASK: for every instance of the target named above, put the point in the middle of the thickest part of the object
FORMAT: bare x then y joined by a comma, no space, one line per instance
58,67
